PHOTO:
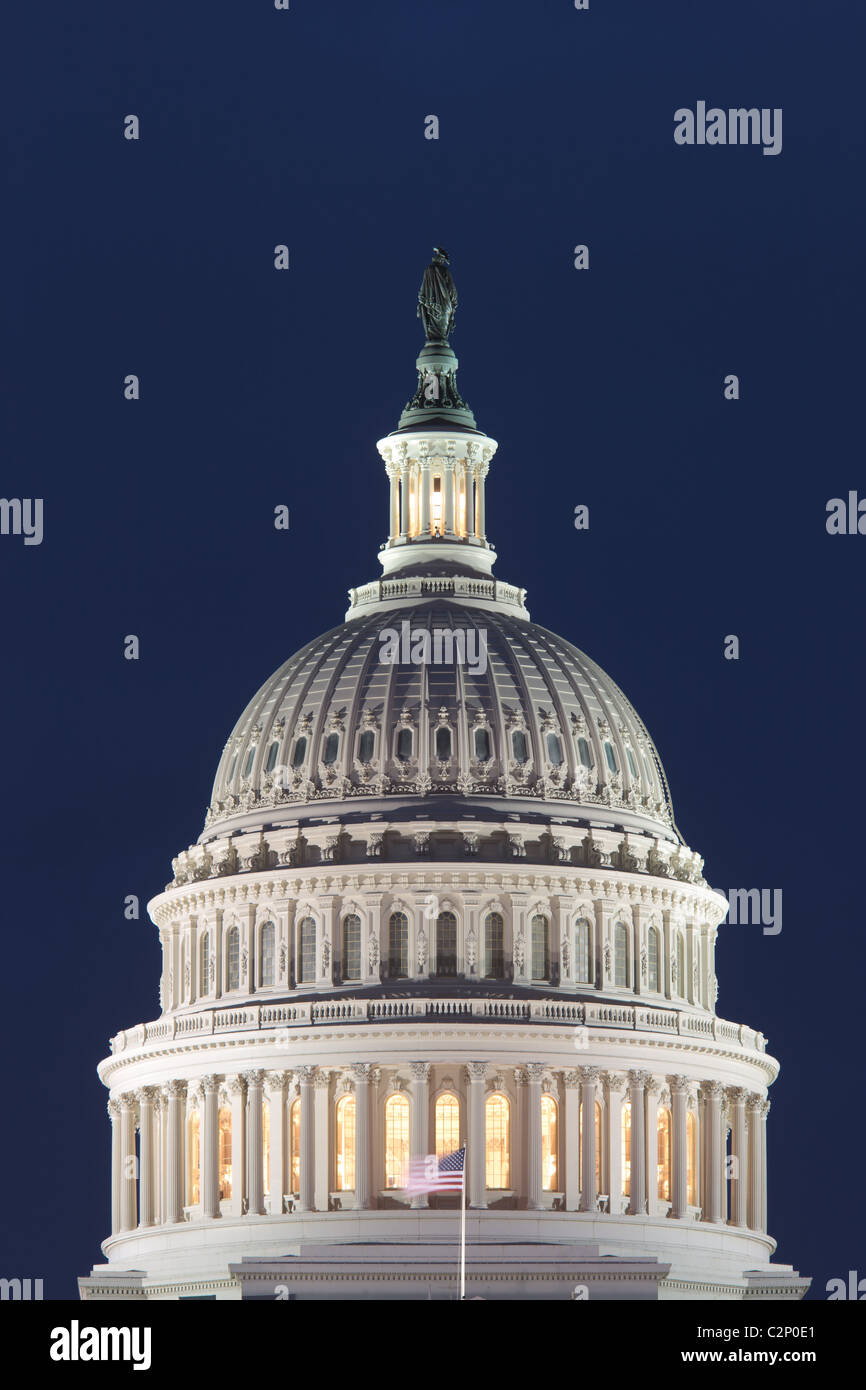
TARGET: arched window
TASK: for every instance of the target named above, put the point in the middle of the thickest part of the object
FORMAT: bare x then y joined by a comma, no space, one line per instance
681,964
664,1159
268,954
346,1144
295,1146
204,963
583,752
329,755
404,745
620,954
494,946
581,951
540,948
366,744
549,1144
193,1159
482,745
447,1124
497,1118
225,1152
446,944
518,746
443,744
396,1140
352,947
266,1146
691,1159
398,946
611,757
300,752
250,759
653,954
554,749
626,1149
307,952
233,959
273,754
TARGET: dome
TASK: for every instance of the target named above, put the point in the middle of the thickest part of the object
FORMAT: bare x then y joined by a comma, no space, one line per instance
511,712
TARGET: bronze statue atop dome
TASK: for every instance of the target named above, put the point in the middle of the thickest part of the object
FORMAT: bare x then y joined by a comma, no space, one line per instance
437,298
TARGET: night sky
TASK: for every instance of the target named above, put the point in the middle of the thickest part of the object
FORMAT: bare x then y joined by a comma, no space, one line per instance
258,387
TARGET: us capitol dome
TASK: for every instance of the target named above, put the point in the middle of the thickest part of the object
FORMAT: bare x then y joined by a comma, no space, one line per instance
440,899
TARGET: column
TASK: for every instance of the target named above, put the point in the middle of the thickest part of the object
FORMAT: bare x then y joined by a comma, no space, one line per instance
477,1071
174,1095
146,1164
116,1165
713,1093
765,1110
321,1142
255,1153
393,503
210,1188
420,1144
361,1072
755,1182
572,1141
739,1154
589,1192
533,1136
275,1083
128,1162
679,1145
449,526
615,1085
652,1143
424,497
404,498
237,1097
308,1152
637,1197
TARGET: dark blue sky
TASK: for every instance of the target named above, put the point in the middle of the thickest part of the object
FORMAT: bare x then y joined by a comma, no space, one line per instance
259,387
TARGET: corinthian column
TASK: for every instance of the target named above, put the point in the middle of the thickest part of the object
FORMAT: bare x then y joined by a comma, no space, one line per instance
210,1185
449,523
679,1143
146,1165
276,1093
637,1094
713,1093
404,498
572,1140
754,1105
361,1073
255,1155
739,1153
420,1123
589,1191
534,1174
765,1110
477,1071
308,1151
174,1094
393,513
128,1161
116,1165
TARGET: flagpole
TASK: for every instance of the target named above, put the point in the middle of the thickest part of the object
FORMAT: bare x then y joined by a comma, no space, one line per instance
463,1229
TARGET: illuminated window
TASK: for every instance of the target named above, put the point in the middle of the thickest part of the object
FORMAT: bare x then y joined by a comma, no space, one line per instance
497,1118
664,1159
482,745
398,946
446,944
233,962
266,1145
549,1144
366,744
626,1149
404,745
248,765
193,1159
352,947
554,750
581,951
268,954
691,1159
225,1152
620,954
447,1124
611,757
540,948
494,946
443,744
300,752
653,953
346,1144
295,1146
681,964
204,964
583,752
332,743
396,1140
518,746
273,754
307,972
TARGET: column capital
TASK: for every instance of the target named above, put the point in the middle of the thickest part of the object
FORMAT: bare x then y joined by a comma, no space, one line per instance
361,1070
420,1071
209,1084
254,1077
765,1108
712,1089
754,1101
534,1071
654,1086
571,1079
305,1074
679,1085
322,1081
476,1071
145,1095
113,1110
614,1080
128,1100
235,1085
589,1075
737,1095
639,1078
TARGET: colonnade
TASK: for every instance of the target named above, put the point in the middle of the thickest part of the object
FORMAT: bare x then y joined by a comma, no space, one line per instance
454,508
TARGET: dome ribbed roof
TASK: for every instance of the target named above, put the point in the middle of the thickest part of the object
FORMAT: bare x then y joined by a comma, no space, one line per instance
540,722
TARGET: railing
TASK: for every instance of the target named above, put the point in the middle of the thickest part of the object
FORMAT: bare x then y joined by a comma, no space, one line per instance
257,1017
462,585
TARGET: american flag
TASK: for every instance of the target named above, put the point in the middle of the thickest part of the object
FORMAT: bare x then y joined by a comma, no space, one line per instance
432,1174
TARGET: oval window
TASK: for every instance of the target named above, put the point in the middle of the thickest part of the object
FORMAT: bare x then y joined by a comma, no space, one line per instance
482,745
